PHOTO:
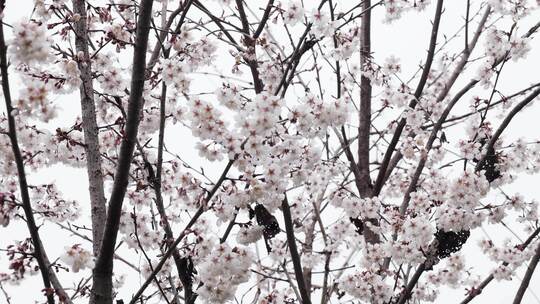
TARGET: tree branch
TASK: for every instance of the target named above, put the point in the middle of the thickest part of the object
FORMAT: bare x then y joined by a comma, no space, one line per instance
173,246
475,291
406,293
388,159
155,181
365,103
90,128
264,19
429,145
39,251
102,287
528,275
417,94
157,48
295,257
505,124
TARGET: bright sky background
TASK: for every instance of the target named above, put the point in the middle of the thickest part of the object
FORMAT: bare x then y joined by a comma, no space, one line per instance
407,39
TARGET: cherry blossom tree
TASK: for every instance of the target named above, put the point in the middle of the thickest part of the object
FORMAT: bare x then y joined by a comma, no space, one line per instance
268,151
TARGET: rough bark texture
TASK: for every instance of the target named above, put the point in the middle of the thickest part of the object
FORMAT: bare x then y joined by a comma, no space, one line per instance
102,274
364,126
90,128
365,102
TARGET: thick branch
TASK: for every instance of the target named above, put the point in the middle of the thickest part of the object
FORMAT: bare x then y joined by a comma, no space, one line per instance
429,145
264,19
365,103
89,124
102,287
250,43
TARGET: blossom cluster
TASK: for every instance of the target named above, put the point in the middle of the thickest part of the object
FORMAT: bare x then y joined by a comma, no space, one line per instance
21,262
458,212
222,271
511,257
396,8
368,287
268,110
30,45
313,117
137,231
78,258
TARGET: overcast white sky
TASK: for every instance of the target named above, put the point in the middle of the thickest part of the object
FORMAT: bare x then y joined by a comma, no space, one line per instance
406,39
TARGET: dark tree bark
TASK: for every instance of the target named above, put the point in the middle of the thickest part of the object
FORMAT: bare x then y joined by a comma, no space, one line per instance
103,272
